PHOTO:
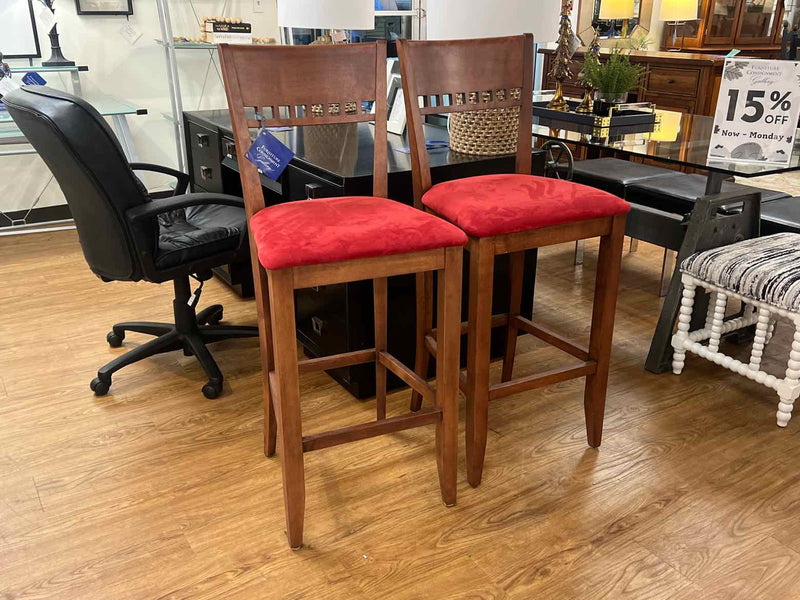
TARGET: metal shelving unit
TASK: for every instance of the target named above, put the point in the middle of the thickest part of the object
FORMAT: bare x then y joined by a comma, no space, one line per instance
173,78
10,135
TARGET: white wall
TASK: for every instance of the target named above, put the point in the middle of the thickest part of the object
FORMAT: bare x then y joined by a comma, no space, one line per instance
136,74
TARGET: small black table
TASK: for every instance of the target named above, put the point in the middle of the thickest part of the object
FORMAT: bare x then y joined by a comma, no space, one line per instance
704,229
336,160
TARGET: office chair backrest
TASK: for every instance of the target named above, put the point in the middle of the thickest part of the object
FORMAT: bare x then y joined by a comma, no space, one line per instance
466,75
86,159
304,85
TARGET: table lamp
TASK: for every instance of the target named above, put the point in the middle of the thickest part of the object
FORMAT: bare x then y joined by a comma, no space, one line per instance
327,14
614,10
677,12
669,126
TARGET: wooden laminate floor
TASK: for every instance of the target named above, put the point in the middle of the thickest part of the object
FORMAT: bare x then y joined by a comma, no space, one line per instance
155,492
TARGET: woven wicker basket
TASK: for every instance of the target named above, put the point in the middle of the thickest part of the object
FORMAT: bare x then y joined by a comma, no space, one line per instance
489,132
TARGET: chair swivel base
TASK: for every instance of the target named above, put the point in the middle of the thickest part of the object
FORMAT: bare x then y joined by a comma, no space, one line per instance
191,333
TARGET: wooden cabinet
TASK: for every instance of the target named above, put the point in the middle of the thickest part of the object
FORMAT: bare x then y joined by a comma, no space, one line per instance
752,26
672,80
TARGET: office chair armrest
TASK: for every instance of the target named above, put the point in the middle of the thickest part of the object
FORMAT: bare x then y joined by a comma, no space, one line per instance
163,205
183,178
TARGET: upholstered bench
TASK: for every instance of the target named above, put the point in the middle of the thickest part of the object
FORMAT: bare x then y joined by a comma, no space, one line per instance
782,215
764,274
679,194
615,175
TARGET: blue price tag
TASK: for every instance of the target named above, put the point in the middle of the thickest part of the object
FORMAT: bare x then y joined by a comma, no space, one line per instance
33,78
269,155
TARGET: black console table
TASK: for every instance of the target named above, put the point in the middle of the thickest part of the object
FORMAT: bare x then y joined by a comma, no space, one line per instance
336,160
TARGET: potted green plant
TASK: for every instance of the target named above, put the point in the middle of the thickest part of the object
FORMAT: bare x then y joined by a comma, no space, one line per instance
611,78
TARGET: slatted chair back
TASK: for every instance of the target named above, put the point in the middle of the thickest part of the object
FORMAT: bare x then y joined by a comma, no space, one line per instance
465,75
303,85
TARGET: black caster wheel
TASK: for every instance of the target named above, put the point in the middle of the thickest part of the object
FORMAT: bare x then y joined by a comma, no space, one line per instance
212,389
216,320
99,387
114,340
187,352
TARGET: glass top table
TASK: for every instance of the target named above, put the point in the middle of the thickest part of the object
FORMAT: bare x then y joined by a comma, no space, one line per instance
105,105
680,139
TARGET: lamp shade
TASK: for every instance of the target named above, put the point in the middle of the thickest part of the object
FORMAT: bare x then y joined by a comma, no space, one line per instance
669,126
459,19
678,10
616,9
327,14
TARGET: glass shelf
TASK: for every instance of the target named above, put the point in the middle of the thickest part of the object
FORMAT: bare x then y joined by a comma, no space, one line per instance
105,105
190,45
45,69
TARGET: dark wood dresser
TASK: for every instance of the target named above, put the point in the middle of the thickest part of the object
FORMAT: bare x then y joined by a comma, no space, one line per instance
336,160
680,81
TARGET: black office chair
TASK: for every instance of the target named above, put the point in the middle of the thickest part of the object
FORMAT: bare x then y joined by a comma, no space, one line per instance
128,236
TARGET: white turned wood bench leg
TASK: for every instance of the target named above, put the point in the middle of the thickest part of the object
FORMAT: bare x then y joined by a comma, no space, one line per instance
789,388
717,321
684,320
770,331
760,339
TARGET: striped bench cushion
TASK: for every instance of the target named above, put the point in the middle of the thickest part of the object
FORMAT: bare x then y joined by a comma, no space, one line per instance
766,269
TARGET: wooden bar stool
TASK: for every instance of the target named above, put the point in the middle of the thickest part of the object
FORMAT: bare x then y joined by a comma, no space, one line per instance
335,240
506,214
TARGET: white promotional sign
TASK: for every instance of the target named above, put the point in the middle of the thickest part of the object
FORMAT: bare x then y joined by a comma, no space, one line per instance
757,111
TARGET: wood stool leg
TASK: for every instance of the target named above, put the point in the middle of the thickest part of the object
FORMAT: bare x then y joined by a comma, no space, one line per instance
287,388
684,323
379,296
267,362
515,274
447,372
479,330
789,388
424,302
602,332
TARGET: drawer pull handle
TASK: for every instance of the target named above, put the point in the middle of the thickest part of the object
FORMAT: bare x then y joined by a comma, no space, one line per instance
203,141
318,325
313,190
230,150
670,81
206,173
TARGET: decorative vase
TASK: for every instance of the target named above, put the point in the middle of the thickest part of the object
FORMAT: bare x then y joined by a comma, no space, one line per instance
604,102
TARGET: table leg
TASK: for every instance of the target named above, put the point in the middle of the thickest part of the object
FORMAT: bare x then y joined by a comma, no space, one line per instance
125,138
705,230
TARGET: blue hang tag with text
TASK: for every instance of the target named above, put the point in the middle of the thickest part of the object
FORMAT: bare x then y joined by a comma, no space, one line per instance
33,78
269,154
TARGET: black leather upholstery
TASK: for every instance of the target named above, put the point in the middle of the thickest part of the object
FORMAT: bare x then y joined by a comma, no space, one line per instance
614,175
102,191
127,235
199,231
781,216
679,194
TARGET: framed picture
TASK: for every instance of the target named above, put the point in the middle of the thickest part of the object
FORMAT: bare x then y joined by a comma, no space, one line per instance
397,111
18,37
395,85
104,7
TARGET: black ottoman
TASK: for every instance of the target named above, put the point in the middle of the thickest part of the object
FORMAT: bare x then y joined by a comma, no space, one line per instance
780,216
679,194
614,175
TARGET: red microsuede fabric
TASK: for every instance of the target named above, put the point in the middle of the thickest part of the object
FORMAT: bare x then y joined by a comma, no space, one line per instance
326,230
490,205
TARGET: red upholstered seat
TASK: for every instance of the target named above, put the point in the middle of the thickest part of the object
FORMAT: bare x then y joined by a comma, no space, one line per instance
490,205
326,230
